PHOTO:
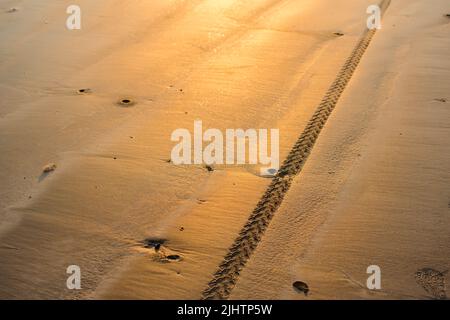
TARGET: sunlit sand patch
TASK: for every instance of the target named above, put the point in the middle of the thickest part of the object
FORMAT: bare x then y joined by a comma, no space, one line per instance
166,256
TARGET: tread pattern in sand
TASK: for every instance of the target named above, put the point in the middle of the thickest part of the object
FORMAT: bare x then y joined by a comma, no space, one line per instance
228,271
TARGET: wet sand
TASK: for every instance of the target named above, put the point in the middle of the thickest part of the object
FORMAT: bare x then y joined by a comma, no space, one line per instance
258,64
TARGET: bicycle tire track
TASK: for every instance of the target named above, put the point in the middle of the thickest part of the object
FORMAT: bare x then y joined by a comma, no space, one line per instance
224,279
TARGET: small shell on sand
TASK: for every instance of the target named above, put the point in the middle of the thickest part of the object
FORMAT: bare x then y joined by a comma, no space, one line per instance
173,257
153,243
301,286
49,168
268,172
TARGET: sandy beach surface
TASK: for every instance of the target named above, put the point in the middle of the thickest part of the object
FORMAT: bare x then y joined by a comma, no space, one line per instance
375,189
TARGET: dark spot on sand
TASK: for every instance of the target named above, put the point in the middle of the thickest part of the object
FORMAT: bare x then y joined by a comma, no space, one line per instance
283,173
443,100
11,10
173,257
153,243
181,90
84,91
301,287
209,168
181,229
432,281
49,168
126,102
339,34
